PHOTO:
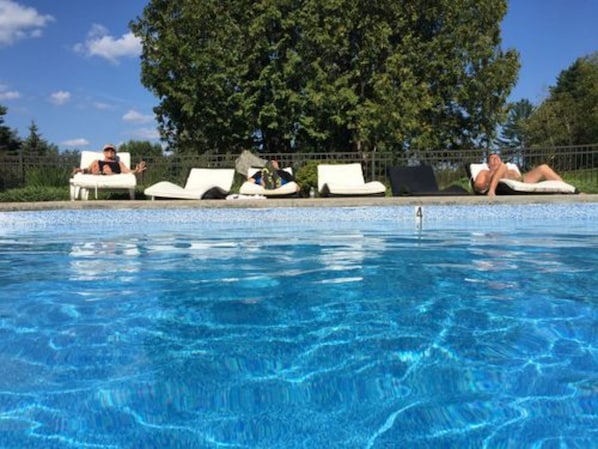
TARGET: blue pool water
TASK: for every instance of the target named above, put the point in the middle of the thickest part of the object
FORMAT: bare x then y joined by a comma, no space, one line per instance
474,327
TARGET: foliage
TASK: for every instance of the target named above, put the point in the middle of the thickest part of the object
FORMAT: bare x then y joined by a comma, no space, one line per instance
325,75
35,193
47,177
463,183
585,181
307,177
569,116
513,132
9,140
34,144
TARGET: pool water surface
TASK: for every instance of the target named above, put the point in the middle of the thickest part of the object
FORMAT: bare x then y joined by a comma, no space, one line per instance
472,327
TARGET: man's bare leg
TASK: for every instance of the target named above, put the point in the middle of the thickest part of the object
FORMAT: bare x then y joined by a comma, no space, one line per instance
540,173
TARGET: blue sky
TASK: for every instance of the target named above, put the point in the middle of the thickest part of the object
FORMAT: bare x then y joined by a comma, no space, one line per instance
72,66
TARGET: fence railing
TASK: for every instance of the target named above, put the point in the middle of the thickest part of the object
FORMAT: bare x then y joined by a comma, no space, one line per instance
449,165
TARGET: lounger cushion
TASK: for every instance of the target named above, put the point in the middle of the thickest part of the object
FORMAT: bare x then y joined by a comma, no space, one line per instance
512,187
249,187
420,181
346,180
202,183
120,181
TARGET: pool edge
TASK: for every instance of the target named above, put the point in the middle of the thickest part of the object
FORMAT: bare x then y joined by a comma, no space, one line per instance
299,202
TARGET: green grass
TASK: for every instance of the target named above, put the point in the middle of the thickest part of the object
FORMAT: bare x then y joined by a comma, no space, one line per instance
586,181
35,193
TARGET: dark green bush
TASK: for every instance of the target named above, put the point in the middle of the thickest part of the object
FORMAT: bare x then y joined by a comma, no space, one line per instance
583,180
47,177
307,177
35,193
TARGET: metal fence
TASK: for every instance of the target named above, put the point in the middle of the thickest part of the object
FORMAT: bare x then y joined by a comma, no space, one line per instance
449,165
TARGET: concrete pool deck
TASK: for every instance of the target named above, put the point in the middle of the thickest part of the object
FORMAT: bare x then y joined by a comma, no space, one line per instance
472,200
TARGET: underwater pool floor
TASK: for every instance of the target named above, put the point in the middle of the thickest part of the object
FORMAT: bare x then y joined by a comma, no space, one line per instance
353,327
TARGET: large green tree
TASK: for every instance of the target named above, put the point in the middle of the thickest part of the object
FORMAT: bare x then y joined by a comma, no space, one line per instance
9,139
513,132
569,116
325,75
35,145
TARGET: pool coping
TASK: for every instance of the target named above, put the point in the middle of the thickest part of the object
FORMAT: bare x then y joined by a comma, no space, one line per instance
474,200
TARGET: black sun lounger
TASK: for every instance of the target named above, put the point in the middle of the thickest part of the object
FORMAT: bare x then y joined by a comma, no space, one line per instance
419,181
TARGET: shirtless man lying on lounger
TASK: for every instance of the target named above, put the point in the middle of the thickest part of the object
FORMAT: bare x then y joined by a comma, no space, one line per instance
487,180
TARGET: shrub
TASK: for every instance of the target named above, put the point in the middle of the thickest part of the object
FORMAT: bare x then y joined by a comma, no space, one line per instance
47,177
307,177
35,193
583,180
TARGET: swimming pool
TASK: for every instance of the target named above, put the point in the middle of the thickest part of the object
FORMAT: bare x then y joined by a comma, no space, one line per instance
283,328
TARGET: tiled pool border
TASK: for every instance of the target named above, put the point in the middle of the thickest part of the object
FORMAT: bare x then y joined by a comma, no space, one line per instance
302,202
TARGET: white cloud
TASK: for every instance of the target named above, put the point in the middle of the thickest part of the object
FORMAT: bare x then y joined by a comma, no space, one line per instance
60,97
100,43
132,116
75,143
20,22
9,94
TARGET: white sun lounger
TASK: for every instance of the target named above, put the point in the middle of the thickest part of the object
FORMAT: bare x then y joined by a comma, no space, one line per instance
346,180
512,187
202,183
81,184
251,188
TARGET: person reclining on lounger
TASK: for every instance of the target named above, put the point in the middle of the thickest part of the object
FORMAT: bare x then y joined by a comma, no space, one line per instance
487,179
271,176
110,165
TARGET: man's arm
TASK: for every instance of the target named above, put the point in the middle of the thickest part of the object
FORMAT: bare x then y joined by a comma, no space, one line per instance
141,166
